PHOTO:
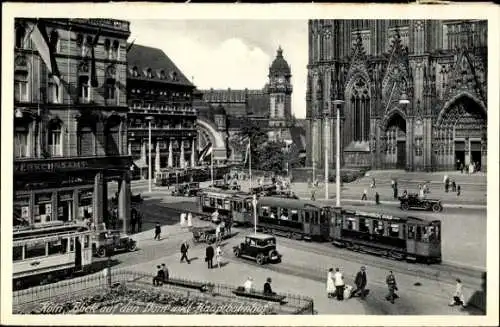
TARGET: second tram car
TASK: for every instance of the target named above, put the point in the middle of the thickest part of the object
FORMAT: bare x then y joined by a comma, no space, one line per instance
297,219
409,238
43,254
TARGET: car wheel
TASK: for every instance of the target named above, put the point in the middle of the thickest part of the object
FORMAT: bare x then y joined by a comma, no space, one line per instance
260,259
132,246
101,252
237,252
437,207
405,206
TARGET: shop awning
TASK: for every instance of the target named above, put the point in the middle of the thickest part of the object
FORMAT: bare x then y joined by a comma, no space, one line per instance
140,163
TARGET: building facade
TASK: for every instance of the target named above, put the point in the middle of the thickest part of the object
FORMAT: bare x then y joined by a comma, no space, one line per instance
414,92
70,119
160,95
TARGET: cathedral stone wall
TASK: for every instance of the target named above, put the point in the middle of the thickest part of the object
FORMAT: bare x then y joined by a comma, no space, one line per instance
414,93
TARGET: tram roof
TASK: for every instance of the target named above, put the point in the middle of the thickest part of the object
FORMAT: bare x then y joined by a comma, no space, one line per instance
40,231
260,236
289,203
226,192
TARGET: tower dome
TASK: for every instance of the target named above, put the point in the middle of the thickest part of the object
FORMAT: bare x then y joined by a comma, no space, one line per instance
279,64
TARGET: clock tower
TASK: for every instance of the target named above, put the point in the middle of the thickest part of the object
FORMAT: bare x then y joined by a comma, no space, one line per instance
280,92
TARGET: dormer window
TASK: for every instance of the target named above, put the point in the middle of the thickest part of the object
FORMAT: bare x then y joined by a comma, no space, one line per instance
135,73
20,37
149,73
174,76
115,50
162,74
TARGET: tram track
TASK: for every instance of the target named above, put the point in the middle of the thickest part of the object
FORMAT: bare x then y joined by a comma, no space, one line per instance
444,272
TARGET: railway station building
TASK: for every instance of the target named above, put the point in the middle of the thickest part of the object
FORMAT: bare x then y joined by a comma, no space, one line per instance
70,119
414,92
159,94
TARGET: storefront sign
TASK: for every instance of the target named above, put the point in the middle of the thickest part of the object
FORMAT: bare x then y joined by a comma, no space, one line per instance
56,164
31,167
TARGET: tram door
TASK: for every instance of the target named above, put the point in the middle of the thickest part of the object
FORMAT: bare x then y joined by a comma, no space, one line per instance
307,219
78,254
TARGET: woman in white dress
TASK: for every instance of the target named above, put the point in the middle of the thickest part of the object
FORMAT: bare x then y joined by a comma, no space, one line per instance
330,285
218,255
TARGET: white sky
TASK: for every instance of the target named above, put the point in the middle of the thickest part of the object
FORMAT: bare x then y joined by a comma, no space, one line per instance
230,53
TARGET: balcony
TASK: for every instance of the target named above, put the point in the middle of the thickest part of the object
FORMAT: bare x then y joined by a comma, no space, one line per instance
40,165
161,132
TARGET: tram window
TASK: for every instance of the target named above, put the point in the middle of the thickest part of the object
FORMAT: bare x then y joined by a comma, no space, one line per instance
284,214
71,244
206,201
315,218
307,217
55,247
351,223
64,245
17,253
379,227
322,217
394,230
418,236
411,232
227,205
219,203
265,211
212,202
86,241
34,250
364,225
274,212
437,234
295,215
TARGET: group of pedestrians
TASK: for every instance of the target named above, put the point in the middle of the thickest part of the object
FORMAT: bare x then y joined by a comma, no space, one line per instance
267,290
162,275
336,286
450,183
210,252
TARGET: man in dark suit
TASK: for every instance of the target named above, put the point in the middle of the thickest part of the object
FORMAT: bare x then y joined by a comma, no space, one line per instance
160,277
209,254
267,287
184,251
360,282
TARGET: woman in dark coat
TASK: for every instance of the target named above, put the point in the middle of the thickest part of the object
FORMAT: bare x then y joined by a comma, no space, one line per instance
360,282
209,254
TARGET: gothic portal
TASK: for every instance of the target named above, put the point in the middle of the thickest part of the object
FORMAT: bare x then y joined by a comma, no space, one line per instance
414,93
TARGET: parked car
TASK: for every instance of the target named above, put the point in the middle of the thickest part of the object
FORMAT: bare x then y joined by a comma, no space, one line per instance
110,241
413,201
258,247
186,189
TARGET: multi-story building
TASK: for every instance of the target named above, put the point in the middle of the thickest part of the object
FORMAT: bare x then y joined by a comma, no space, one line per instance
415,93
160,95
70,124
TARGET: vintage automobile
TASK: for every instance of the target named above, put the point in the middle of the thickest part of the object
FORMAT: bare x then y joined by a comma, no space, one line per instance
223,185
186,189
108,241
264,190
413,201
258,247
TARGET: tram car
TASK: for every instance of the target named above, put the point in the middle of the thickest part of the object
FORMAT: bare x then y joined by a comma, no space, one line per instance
409,238
293,218
46,254
235,205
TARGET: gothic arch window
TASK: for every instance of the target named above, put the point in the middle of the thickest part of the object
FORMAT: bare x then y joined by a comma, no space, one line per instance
54,94
20,36
83,82
55,138
360,111
21,85
107,49
22,137
86,137
110,83
112,135
115,50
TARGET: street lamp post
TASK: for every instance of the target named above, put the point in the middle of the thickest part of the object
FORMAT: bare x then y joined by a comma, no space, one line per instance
254,205
337,104
150,173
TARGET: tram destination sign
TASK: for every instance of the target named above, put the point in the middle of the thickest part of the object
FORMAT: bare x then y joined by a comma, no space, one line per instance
62,164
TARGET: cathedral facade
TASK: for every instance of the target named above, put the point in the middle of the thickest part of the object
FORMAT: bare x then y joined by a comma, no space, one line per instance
413,93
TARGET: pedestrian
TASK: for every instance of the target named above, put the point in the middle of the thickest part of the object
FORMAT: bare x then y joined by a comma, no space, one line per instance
218,255
395,190
157,231
458,296
338,280
458,190
373,183
313,195
447,184
392,287
209,256
189,219
453,186
330,285
360,282
229,223
267,287
218,234
363,197
223,228
133,222
166,274
405,194
377,198
248,285
462,167
184,251
421,193
215,216
160,276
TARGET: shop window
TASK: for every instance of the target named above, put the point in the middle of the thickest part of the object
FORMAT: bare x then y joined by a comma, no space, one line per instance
379,227
17,253
55,247
84,89
34,250
21,86
43,208
295,215
21,141
394,230
55,139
